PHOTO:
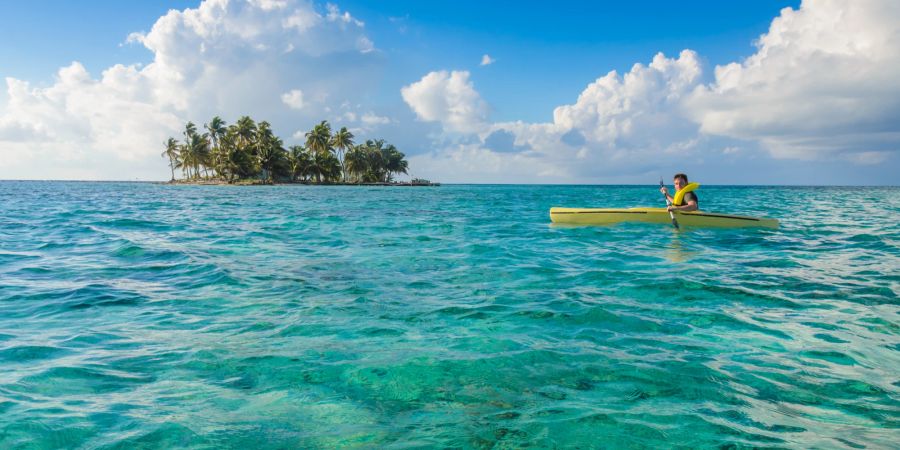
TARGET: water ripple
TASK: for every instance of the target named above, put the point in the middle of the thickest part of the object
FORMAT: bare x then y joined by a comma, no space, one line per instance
151,316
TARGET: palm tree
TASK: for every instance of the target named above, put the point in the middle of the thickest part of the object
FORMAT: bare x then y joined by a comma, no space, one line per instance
375,157
188,157
261,145
325,166
195,153
248,149
331,167
269,150
356,162
227,148
171,152
239,161
189,130
216,128
300,162
342,141
318,140
246,130
394,162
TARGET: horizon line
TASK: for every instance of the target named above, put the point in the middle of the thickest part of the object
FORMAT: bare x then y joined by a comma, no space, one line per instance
450,183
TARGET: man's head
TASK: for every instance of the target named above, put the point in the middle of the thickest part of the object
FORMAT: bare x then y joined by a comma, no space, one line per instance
680,180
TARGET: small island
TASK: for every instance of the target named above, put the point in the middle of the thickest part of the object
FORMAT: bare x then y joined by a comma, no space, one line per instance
248,152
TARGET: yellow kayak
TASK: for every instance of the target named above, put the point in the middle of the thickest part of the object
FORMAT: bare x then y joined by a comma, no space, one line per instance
609,216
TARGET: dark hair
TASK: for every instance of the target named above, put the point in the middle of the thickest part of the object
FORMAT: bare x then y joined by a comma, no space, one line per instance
682,176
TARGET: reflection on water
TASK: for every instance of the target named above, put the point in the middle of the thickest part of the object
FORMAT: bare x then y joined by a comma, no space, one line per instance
677,251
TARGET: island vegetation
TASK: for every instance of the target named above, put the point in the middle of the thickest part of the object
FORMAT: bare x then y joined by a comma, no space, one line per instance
248,152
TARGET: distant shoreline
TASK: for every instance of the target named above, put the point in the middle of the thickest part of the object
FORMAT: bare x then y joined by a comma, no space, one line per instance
583,185
274,183
250,151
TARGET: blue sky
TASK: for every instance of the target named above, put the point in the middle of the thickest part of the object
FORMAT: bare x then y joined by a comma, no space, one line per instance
572,43
411,67
548,49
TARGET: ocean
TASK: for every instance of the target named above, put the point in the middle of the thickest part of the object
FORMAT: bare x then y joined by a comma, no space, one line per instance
139,315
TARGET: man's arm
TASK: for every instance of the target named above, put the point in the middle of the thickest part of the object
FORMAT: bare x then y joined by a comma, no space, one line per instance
691,206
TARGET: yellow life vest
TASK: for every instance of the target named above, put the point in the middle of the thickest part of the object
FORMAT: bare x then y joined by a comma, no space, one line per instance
678,199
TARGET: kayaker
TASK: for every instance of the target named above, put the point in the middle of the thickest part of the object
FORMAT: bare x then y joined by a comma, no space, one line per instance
690,200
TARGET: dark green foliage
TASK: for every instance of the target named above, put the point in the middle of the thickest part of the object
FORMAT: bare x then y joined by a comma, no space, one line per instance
250,150
375,162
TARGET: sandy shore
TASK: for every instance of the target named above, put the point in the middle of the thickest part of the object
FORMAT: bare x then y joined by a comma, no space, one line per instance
261,183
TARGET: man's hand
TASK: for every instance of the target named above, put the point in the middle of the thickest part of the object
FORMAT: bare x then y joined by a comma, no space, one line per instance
671,208
664,190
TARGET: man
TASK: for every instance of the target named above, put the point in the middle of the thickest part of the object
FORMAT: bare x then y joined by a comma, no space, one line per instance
690,200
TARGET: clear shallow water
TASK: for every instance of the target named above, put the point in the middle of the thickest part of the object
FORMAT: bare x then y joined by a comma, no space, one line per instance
151,316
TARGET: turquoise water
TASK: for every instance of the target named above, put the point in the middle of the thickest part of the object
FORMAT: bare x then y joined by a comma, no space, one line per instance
153,316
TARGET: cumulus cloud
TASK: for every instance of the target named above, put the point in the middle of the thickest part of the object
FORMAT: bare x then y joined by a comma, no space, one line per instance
115,116
13,130
371,119
293,98
449,98
472,163
503,141
824,82
486,60
617,122
224,57
335,15
621,109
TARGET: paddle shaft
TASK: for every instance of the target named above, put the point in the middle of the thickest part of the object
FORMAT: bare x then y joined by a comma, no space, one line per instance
668,203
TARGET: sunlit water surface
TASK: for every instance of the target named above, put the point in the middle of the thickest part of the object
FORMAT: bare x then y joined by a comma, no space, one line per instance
153,316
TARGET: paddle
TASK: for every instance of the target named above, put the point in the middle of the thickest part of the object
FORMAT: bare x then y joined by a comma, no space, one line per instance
668,203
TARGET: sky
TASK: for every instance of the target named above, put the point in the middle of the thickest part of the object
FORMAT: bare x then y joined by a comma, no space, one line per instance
762,92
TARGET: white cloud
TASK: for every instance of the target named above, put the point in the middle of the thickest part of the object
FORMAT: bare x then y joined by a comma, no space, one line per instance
119,110
224,58
16,130
486,60
449,98
301,20
371,119
358,123
472,163
268,5
293,98
621,109
618,122
364,45
824,82
335,15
